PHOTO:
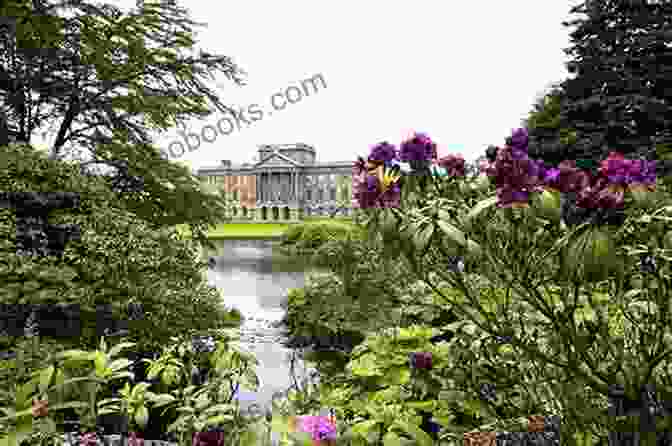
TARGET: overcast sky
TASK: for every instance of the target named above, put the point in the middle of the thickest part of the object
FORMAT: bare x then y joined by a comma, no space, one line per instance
466,73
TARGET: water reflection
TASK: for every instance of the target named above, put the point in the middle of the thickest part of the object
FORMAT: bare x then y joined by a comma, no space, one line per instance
255,277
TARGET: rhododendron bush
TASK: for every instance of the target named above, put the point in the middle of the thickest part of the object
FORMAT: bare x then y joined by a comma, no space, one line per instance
563,291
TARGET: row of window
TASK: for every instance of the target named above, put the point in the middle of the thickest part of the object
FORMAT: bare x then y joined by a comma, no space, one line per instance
319,195
239,179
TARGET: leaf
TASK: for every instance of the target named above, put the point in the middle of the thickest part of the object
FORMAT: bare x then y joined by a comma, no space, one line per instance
24,395
68,405
363,428
114,351
399,375
421,239
162,400
249,438
452,233
220,407
141,416
119,364
75,355
45,378
427,406
477,210
414,431
219,419
391,439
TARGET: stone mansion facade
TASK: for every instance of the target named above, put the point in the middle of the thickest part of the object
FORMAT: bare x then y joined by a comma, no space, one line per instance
286,184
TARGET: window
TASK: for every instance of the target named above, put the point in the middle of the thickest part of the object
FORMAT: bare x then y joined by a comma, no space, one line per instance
332,194
308,194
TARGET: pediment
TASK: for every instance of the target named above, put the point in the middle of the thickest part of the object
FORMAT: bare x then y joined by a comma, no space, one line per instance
276,159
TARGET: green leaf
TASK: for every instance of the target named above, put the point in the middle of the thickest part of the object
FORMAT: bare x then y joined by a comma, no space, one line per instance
212,421
249,438
141,416
414,431
452,233
428,406
75,355
476,211
391,439
45,378
68,405
421,239
399,375
119,364
220,407
163,399
24,395
363,428
114,351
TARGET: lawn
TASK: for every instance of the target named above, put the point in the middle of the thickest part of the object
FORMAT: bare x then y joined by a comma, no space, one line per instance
255,230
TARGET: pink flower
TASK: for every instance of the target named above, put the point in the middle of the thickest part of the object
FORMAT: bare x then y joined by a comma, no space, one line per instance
88,439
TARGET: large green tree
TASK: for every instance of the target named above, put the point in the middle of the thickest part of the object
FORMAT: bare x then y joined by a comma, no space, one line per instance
101,79
120,259
618,99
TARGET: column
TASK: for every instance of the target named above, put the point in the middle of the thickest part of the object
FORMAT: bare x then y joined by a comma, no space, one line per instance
257,188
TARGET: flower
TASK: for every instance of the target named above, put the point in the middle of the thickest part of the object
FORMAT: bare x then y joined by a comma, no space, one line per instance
383,152
40,408
519,139
453,164
88,439
403,167
387,178
319,427
421,360
208,439
134,440
418,148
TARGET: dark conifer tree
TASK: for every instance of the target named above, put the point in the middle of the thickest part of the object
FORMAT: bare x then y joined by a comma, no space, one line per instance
619,98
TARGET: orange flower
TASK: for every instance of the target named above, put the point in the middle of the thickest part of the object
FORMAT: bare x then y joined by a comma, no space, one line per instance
40,408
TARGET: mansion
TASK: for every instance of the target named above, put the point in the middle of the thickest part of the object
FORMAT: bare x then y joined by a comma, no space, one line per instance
286,184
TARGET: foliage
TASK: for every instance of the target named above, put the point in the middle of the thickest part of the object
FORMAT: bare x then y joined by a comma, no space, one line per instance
535,319
119,260
55,384
548,141
105,77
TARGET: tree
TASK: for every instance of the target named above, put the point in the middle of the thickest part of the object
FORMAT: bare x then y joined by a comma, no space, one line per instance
548,140
120,259
619,98
105,78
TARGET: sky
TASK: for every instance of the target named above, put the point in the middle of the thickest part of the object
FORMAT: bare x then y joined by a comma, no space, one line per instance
465,73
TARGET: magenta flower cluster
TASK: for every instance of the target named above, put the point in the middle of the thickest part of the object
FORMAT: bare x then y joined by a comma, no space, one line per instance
377,181
319,427
420,147
516,176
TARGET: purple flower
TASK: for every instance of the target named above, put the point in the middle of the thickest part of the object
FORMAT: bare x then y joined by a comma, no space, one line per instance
383,152
519,139
421,360
372,184
419,148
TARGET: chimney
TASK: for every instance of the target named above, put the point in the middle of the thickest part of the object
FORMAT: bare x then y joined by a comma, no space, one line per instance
226,163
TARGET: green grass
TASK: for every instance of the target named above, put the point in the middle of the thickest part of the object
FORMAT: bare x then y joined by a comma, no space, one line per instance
256,230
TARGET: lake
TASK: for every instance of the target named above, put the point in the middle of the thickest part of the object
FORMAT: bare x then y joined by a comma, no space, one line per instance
255,277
